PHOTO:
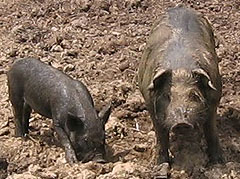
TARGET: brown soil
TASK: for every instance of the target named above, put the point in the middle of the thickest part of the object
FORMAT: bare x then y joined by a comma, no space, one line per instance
100,42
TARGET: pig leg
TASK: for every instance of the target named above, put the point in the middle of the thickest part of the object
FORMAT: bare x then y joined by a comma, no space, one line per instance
18,113
63,137
210,131
162,135
162,144
16,99
26,115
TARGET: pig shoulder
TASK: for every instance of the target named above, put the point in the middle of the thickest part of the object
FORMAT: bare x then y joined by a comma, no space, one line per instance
153,53
82,89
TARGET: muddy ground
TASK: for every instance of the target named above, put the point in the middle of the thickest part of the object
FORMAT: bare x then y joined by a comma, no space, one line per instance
100,43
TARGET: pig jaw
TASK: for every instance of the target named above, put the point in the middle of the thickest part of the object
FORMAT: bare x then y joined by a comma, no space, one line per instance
88,146
93,156
96,155
181,128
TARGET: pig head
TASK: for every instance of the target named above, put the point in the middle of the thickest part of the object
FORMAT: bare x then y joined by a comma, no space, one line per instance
181,97
87,136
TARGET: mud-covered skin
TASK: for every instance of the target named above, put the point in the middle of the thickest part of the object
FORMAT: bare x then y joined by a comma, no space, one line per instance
34,85
179,78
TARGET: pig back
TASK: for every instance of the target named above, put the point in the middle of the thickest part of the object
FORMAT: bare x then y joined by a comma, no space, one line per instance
180,39
42,85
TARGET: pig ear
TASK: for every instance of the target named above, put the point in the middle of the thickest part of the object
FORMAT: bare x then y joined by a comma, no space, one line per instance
201,72
74,123
159,79
105,113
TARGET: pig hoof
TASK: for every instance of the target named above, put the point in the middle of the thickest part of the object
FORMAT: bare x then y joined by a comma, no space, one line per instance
19,134
162,160
161,171
216,160
102,161
71,158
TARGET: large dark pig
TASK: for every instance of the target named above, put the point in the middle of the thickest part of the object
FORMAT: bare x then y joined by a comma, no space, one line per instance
179,79
34,85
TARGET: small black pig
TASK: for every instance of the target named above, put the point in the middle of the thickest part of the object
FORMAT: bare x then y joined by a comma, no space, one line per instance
34,85
179,79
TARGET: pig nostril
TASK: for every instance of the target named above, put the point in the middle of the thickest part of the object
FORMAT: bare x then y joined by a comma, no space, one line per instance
182,127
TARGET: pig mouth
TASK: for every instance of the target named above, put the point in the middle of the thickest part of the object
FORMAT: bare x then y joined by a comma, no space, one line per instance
182,128
92,156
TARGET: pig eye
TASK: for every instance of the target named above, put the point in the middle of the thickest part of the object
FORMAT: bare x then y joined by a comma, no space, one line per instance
195,97
74,123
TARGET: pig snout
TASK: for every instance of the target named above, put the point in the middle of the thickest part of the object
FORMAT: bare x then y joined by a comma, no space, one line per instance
180,120
96,157
99,158
182,127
